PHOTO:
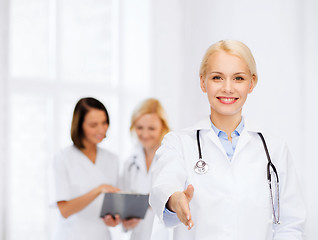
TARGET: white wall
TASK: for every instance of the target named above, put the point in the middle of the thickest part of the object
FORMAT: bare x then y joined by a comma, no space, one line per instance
3,109
282,35
310,82
134,62
167,56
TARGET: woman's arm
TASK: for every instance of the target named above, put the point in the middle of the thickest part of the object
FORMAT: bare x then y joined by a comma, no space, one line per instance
169,179
67,208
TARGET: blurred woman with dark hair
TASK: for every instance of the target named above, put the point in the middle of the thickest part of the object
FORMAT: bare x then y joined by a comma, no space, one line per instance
81,173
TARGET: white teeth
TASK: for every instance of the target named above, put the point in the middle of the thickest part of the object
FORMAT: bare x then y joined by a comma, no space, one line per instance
227,99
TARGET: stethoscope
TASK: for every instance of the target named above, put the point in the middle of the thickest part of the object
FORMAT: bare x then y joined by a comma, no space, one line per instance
134,163
201,167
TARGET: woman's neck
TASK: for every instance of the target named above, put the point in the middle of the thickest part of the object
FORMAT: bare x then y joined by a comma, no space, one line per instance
226,123
90,151
149,155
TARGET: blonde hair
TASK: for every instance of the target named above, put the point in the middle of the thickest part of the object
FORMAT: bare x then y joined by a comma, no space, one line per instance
148,106
233,47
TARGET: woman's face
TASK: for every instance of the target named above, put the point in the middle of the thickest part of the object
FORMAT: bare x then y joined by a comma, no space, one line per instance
94,126
149,129
227,83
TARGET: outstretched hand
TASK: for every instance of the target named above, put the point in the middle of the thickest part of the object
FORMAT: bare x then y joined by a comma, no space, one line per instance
179,203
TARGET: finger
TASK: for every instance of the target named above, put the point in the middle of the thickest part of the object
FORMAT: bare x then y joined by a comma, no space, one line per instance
187,214
183,215
189,192
132,220
117,219
104,190
108,220
113,189
136,220
186,217
124,221
190,224
131,223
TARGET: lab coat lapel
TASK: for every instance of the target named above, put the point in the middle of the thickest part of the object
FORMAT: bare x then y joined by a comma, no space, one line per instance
140,158
242,142
246,136
207,131
214,138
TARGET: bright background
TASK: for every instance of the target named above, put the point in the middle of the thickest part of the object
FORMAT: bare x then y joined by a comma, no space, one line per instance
53,52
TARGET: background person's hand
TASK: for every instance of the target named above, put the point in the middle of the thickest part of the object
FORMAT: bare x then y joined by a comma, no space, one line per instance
106,188
130,223
110,221
179,203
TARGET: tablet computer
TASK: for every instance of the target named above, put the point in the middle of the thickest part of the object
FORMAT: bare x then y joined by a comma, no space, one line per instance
127,205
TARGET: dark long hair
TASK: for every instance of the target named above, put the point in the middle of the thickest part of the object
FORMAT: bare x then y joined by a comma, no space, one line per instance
82,107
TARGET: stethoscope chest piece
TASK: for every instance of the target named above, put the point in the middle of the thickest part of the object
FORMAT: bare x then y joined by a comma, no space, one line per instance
201,167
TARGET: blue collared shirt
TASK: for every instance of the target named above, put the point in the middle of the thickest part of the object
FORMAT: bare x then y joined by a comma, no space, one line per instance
171,218
229,146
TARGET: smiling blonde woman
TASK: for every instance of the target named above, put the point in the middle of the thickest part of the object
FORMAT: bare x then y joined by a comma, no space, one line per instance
223,178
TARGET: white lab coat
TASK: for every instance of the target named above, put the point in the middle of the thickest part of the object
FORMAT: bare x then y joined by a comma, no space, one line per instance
72,174
231,201
137,179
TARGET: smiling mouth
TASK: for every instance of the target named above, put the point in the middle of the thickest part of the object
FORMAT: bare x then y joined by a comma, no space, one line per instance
100,136
227,100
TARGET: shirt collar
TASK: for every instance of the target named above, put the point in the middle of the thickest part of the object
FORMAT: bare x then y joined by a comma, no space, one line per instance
205,124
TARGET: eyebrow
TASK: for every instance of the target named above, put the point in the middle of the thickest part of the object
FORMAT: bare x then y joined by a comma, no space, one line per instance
233,74
240,73
215,72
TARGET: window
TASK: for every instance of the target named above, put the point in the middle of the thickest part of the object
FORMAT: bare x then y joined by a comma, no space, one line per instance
55,52
59,51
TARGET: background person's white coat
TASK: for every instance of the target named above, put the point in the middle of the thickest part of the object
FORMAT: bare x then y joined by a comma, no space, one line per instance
137,179
72,175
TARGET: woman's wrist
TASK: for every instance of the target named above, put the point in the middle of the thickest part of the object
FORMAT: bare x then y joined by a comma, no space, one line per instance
171,202
99,190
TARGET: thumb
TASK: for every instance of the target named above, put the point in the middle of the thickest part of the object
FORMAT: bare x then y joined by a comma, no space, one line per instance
189,192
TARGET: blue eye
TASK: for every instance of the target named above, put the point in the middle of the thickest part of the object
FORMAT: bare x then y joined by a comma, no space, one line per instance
239,78
216,78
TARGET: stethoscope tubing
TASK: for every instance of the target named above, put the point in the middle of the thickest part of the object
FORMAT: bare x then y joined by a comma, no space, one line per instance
269,164
199,145
134,163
